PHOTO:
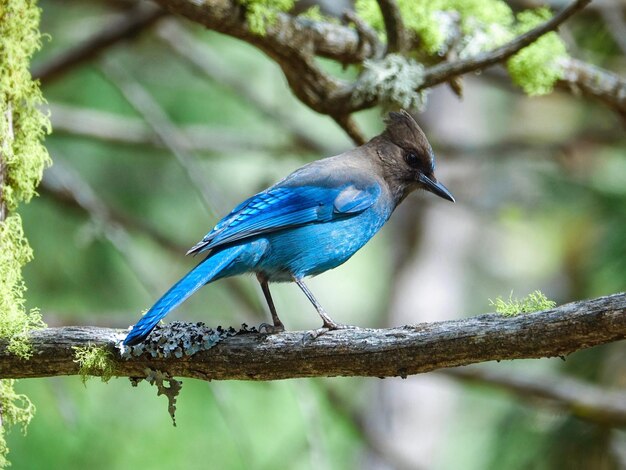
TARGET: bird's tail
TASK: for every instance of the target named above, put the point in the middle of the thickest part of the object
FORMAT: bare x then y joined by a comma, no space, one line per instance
208,270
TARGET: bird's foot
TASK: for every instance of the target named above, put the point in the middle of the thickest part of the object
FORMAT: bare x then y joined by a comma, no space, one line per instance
326,327
268,329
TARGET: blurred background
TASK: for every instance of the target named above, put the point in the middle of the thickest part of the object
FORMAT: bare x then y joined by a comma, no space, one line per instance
162,134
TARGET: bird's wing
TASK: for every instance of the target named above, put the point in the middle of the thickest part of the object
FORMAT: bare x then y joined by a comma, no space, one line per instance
282,207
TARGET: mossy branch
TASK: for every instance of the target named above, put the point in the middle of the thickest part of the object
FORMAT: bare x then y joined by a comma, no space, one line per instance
295,42
400,351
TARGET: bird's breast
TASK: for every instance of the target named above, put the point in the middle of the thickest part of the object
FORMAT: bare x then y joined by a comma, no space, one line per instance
312,249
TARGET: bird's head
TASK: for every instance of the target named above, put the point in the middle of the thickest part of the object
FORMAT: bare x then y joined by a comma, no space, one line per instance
406,157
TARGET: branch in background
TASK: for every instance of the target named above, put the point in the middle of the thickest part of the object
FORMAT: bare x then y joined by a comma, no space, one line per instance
394,26
607,87
387,352
443,72
379,447
177,38
294,42
348,99
556,4
69,189
139,98
585,401
116,128
613,16
350,127
130,25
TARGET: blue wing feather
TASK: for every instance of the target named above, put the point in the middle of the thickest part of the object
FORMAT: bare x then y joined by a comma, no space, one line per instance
282,207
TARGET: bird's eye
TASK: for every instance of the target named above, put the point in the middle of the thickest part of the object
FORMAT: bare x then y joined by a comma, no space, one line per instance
411,159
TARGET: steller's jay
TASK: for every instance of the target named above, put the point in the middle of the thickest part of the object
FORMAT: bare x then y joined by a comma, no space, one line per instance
313,220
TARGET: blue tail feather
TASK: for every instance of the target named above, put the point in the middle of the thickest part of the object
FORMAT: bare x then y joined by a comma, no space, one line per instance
208,270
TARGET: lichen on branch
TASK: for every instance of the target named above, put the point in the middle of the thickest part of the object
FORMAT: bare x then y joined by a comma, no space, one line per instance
393,81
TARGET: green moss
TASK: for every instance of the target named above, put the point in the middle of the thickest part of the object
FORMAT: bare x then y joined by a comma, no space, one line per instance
484,25
533,302
314,13
432,21
418,16
536,67
17,409
22,160
94,361
22,126
15,322
262,14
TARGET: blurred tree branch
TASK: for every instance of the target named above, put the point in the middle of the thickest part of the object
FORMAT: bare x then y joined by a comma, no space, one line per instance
127,27
394,26
594,82
295,42
400,351
180,40
583,400
120,129
67,188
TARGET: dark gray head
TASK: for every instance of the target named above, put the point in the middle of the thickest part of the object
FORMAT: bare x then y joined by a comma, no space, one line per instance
407,159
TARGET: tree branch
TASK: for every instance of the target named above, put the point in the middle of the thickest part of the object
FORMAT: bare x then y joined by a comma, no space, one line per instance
294,42
441,73
594,82
387,352
394,26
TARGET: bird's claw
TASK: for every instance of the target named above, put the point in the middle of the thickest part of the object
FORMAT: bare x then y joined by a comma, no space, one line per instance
326,327
268,329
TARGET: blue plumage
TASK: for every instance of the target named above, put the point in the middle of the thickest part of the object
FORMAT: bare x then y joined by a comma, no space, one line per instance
312,221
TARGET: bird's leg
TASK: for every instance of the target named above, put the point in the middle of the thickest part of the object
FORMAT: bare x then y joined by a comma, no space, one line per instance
278,325
329,323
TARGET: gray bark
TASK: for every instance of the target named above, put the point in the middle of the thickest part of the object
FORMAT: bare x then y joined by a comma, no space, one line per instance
400,351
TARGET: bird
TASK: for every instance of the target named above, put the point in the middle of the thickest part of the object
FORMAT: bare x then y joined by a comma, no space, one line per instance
311,221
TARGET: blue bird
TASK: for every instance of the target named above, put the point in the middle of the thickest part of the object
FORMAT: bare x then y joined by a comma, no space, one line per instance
312,221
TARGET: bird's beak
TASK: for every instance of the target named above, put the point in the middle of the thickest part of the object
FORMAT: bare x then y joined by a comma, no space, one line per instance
436,187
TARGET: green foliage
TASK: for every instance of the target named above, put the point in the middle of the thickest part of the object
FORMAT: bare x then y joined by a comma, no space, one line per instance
536,67
16,409
94,361
534,302
262,14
